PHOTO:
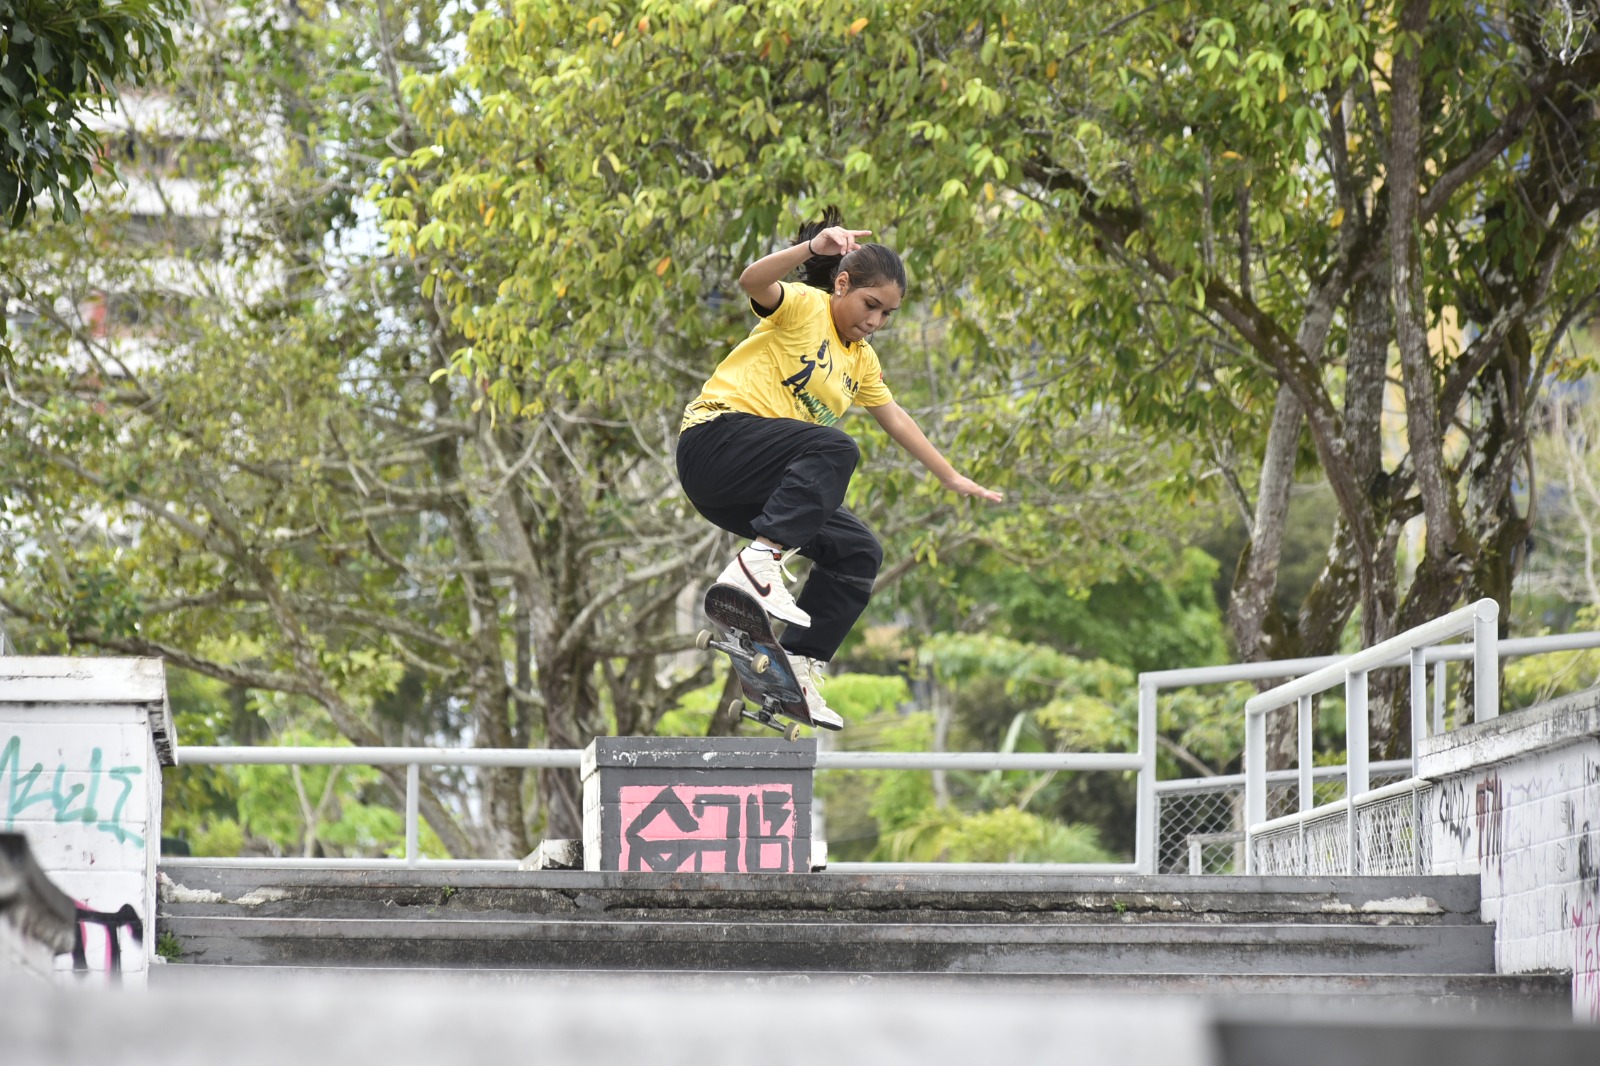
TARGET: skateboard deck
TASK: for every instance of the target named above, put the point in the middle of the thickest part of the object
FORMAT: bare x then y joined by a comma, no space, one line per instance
744,634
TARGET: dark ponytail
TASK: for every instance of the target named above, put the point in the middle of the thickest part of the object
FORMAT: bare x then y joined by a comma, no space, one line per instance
870,264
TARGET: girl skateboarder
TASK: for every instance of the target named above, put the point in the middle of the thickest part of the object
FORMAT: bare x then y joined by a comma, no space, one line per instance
759,452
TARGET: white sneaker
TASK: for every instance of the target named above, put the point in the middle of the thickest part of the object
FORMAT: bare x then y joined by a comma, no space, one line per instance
809,671
758,572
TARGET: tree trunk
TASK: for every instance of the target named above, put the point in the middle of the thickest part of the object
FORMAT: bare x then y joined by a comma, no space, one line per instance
1410,299
1252,612
572,719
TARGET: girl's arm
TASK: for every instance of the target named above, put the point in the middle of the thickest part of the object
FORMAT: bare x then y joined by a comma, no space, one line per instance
760,279
904,431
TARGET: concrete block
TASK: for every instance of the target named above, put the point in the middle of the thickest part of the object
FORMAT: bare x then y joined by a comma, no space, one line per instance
702,804
82,743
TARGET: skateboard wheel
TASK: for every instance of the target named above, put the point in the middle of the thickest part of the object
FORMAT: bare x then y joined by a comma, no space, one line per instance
702,640
760,663
736,708
792,734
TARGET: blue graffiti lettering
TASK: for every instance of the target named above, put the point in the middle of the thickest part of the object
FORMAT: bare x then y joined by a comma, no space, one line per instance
21,791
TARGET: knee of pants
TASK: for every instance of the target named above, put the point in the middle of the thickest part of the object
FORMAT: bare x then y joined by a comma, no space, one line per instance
838,443
860,561
874,555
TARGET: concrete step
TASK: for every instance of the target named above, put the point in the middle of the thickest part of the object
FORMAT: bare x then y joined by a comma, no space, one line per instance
817,945
1047,926
1540,995
1030,899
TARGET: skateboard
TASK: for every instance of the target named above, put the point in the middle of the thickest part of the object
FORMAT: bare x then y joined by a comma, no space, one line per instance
744,632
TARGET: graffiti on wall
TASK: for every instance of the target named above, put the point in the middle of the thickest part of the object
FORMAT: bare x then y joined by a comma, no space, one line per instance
709,828
1589,836
1586,960
1454,813
1491,819
113,923
99,801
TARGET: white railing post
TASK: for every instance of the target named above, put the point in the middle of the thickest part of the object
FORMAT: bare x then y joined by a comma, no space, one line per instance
1419,702
1307,787
1255,782
1419,826
1144,829
1485,660
1357,733
1356,743
413,787
1441,684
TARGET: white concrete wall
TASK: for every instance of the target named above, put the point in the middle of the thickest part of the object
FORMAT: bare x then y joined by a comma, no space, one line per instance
1516,801
80,776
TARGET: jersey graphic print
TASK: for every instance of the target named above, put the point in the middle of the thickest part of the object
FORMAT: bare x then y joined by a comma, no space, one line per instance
820,412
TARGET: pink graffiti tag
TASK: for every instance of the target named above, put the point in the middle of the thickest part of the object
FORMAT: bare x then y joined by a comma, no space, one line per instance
1491,812
1586,961
710,828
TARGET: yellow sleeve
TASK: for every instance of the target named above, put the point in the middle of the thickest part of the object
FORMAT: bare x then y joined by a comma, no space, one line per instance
874,391
798,304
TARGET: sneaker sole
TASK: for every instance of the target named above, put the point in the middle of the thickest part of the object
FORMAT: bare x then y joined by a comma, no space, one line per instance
800,618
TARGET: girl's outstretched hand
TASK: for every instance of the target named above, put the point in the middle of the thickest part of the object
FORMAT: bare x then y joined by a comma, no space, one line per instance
968,487
836,240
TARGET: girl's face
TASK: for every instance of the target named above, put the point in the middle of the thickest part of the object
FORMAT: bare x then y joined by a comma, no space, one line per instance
858,310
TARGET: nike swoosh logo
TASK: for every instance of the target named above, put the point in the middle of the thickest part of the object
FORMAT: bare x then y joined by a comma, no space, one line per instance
761,590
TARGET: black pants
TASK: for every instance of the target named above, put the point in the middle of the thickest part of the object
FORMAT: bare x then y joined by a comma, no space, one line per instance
785,479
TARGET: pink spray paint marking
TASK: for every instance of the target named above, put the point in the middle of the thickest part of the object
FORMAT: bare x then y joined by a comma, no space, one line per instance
1586,961
707,828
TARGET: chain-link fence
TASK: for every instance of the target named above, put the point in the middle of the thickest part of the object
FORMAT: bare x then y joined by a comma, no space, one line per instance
1200,827
1200,822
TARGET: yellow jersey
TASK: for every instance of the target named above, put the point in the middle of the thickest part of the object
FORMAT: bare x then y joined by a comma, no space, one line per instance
793,365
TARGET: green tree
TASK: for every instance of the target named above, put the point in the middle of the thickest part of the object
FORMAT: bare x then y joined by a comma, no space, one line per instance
1225,182
589,183
1218,224
313,507
61,63
308,482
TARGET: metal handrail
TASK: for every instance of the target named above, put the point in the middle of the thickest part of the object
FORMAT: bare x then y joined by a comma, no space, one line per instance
1480,618
1153,682
1141,762
1275,777
1151,685
347,755
413,759
571,759
1435,655
1418,648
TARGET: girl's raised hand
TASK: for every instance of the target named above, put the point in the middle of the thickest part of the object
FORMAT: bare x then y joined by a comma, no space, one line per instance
836,240
968,487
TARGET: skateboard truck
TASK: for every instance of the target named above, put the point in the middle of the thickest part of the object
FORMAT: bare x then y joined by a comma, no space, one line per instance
771,708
